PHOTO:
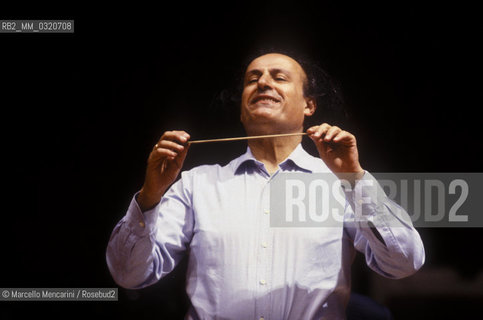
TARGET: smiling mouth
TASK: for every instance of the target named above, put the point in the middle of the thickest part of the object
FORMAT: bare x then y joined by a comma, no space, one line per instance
265,99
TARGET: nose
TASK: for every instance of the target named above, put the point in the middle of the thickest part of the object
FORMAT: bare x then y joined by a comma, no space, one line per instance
264,82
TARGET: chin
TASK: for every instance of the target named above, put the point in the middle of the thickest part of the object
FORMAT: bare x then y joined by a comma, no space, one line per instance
260,118
261,126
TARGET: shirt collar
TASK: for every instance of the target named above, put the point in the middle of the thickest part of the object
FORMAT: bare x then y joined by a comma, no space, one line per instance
298,160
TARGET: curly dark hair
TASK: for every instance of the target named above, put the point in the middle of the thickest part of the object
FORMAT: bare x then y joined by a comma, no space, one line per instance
319,85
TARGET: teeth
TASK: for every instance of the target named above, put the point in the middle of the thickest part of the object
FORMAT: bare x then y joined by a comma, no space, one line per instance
267,99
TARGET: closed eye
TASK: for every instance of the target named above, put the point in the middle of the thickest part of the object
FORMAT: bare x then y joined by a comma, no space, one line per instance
280,76
276,78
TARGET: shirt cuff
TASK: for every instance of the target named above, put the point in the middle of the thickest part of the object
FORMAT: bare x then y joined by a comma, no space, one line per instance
141,223
369,202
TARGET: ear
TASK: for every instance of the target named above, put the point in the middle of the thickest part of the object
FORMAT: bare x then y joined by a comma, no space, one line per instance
310,106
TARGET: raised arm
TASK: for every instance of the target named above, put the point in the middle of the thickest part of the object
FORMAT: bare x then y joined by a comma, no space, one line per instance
382,230
151,238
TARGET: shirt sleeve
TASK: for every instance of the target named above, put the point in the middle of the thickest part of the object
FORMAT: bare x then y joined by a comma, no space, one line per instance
382,230
144,247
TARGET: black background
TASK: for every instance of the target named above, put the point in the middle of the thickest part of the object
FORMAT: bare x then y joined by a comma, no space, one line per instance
80,113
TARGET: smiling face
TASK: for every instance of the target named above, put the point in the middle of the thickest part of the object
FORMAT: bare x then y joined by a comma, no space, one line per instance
273,98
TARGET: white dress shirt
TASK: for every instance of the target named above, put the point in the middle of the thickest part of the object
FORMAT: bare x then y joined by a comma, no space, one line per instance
240,267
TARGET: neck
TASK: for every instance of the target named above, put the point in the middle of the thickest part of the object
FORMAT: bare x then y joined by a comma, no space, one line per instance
272,151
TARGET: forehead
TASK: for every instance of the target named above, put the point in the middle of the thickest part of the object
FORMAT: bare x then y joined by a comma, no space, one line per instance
275,61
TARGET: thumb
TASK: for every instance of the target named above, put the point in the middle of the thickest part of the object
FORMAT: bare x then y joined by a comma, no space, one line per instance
182,156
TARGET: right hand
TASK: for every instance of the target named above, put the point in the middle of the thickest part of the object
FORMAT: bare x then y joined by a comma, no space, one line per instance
164,164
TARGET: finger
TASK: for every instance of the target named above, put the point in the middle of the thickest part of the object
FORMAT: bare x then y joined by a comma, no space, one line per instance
319,131
344,137
160,153
179,136
184,135
181,156
312,129
331,133
167,144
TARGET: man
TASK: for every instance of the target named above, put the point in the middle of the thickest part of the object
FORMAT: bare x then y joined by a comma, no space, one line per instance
239,267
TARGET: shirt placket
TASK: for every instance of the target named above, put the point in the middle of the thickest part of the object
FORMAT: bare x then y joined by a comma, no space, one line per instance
264,252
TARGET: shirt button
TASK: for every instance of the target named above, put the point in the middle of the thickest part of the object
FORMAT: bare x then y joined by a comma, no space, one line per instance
266,211
264,244
141,224
263,282
360,202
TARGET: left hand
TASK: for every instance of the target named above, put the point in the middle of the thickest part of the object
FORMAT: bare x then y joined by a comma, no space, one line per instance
337,148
